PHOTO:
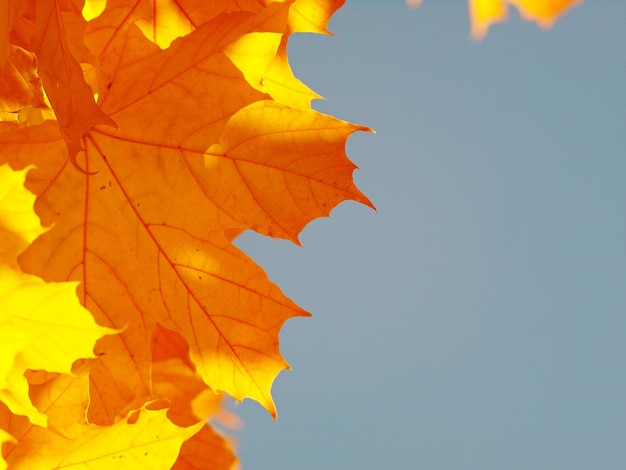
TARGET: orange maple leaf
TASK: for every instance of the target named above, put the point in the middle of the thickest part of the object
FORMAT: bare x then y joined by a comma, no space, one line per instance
190,401
174,379
159,130
50,29
199,132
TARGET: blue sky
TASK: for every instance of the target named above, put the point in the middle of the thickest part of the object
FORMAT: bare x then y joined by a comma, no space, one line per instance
477,320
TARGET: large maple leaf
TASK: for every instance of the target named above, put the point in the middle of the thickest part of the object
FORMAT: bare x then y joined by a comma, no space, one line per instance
200,131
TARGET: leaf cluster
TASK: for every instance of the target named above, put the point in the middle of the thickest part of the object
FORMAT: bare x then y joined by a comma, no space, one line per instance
147,135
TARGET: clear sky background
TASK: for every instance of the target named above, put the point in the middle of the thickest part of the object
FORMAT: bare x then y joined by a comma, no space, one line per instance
477,320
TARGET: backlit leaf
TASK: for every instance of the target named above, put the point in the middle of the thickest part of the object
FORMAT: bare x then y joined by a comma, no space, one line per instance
20,85
483,13
60,72
143,439
155,132
42,325
5,437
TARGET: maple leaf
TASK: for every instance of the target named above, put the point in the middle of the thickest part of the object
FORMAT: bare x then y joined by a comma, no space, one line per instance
198,132
483,13
20,85
42,326
49,29
145,438
199,152
164,20
190,400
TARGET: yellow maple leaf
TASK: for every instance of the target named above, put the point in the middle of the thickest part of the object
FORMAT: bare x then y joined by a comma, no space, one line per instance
483,13
145,438
42,325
